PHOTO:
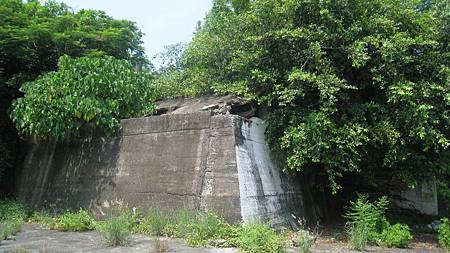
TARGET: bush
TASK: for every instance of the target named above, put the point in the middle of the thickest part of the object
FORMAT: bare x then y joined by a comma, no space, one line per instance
71,221
444,234
181,221
11,227
366,220
304,241
257,237
155,222
11,210
206,227
398,236
116,230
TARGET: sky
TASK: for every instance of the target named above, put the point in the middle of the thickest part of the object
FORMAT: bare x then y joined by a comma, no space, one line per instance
164,22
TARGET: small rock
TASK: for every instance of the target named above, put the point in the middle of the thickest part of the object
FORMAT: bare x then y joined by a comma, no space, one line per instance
218,243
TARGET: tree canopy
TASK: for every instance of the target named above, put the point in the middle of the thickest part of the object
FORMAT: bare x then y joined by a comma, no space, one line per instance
33,36
352,87
85,90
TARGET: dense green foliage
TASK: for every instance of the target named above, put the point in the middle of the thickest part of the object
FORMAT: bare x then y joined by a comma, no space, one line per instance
367,224
71,221
396,236
12,210
366,220
33,36
259,238
352,86
444,234
85,90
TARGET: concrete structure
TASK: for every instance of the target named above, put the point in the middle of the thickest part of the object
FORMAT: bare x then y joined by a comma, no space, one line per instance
198,161
422,198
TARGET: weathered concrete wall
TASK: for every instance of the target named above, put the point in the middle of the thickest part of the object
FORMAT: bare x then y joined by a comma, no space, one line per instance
423,198
196,161
265,192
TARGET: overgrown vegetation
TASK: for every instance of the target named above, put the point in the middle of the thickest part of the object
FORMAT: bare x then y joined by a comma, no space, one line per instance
70,221
444,233
367,224
259,238
354,89
365,221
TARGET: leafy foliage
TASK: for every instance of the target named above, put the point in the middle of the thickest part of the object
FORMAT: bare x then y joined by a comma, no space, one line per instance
85,91
12,210
33,36
72,221
352,87
366,220
259,238
444,234
398,236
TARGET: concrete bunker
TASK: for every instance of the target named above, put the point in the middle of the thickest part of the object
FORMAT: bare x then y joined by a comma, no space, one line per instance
203,160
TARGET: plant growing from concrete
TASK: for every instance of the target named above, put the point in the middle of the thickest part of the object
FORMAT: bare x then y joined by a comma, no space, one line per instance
116,230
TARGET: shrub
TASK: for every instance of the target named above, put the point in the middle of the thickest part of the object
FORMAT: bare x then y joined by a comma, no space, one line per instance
11,210
257,237
304,241
181,221
11,228
365,221
71,221
206,227
398,236
116,230
444,234
155,222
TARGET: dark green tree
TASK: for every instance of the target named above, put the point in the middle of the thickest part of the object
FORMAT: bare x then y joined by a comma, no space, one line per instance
84,91
357,91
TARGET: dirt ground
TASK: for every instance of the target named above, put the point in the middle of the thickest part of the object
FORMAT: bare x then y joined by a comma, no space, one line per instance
40,240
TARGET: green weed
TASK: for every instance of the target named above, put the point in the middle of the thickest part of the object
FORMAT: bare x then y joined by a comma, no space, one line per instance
257,237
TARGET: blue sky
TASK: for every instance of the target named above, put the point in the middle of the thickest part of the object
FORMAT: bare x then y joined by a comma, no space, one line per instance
164,22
